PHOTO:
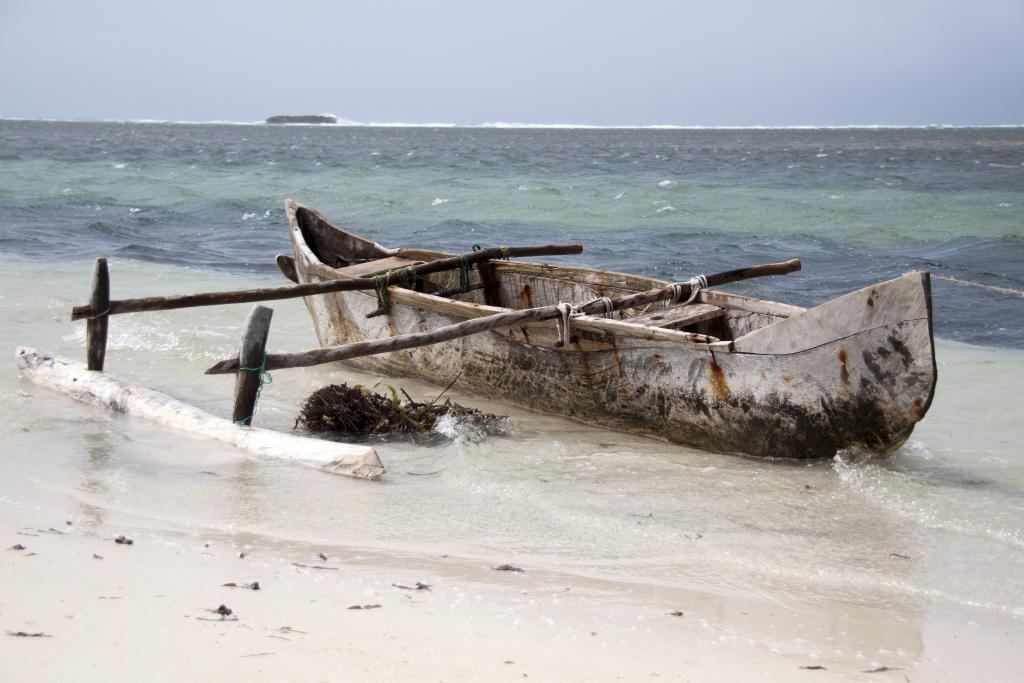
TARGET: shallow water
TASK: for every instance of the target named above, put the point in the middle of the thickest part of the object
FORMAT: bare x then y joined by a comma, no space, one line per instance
898,561
927,539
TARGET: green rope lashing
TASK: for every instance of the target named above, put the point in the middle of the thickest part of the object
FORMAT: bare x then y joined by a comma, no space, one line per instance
499,252
380,283
102,313
403,277
463,274
265,378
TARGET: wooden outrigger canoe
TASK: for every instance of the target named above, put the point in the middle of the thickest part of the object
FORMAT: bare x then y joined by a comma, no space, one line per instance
723,372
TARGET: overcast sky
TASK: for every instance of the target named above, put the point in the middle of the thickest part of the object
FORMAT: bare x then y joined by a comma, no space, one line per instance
629,62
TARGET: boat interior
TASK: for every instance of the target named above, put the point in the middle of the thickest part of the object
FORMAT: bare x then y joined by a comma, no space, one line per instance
514,284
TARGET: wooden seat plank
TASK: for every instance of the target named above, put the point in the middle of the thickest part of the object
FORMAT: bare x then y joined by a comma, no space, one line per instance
679,316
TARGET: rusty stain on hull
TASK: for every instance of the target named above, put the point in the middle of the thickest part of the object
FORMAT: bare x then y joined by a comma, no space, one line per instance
526,297
719,382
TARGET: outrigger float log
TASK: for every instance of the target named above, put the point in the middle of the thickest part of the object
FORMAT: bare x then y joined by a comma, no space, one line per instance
100,388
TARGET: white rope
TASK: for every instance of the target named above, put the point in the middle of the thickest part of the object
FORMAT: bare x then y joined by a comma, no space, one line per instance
606,303
564,326
1001,290
696,283
569,311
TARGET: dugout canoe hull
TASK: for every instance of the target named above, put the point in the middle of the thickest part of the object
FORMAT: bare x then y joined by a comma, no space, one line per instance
853,374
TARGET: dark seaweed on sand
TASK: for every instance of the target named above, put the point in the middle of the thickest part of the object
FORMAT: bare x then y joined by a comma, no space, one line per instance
358,411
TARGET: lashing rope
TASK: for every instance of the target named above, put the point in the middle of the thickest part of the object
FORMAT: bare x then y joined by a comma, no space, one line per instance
563,322
265,378
568,311
463,273
696,283
1001,290
408,278
102,313
380,283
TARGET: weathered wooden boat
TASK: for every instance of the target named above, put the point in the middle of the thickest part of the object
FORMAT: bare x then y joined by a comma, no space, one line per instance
721,371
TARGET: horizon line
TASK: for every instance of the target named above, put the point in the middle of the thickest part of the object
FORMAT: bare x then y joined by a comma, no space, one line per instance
346,123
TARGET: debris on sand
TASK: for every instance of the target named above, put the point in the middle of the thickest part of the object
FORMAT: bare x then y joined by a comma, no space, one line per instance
225,612
359,411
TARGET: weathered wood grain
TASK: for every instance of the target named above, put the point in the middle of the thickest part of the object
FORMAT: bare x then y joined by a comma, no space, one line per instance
250,357
510,318
879,305
96,327
739,302
865,391
165,303
679,316
286,264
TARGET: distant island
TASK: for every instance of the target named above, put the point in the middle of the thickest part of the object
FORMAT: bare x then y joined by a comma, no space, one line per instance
305,118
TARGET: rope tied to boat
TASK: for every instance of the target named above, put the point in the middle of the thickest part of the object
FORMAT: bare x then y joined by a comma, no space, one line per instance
265,378
566,312
463,273
495,252
380,284
609,306
1001,290
695,283
404,277
569,311
102,313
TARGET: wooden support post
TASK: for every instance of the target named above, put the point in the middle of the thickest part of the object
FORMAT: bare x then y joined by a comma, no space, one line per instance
492,293
250,359
96,327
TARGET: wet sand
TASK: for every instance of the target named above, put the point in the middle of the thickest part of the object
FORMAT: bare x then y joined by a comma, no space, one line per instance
147,610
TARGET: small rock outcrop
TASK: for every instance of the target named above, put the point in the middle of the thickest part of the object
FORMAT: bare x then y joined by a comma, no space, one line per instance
304,118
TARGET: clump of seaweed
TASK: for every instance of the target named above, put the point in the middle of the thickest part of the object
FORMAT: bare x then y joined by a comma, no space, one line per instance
359,411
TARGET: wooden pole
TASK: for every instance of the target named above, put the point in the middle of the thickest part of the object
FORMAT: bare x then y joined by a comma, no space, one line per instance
165,303
250,357
397,343
96,327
